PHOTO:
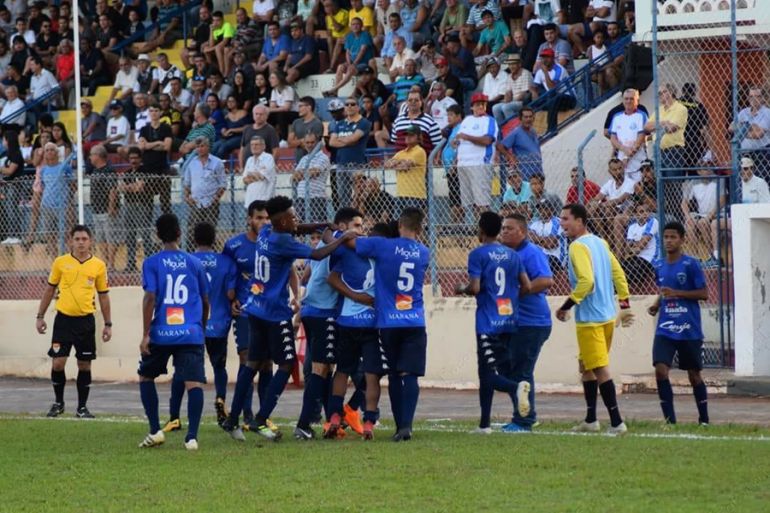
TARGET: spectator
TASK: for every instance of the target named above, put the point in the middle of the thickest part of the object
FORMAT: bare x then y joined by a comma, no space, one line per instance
93,125
62,141
612,72
200,35
703,195
369,197
425,61
22,52
104,203
118,130
495,85
640,248
172,118
126,82
260,128
46,43
590,189
756,120
646,190
107,36
359,53
336,30
13,105
453,20
673,121
302,60
275,49
519,47
449,160
217,117
372,115
402,53
306,123
517,92
545,231
200,67
517,194
612,200
262,13
404,83
41,82
382,11
204,183
522,146
696,132
438,103
368,83
181,99
475,21
23,30
561,50
58,182
221,34
218,87
197,89
14,189
145,74
64,63
244,92
494,39
414,115
461,63
349,136
164,74
6,24
410,165
167,31
597,15
540,195
235,122
137,220
454,88
548,77
239,64
628,136
336,110
620,108
363,13
598,56
259,174
283,104
5,57
155,140
396,29
475,143
201,128
310,178
414,15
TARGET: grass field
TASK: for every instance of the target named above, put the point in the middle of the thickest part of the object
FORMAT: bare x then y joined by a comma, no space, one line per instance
94,466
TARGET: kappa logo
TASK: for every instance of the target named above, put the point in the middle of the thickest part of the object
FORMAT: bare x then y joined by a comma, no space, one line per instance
285,331
483,337
488,352
385,366
283,323
330,319
288,349
330,328
287,339
330,355
289,356
330,346
330,336
491,360
486,344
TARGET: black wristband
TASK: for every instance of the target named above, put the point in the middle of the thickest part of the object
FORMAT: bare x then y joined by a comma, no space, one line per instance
40,316
569,303
108,324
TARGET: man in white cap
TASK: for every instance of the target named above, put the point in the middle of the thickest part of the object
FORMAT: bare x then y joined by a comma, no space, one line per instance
496,84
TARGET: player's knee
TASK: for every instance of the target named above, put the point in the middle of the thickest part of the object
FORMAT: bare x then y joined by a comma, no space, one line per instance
266,366
661,371
321,369
286,367
695,377
253,365
58,364
84,365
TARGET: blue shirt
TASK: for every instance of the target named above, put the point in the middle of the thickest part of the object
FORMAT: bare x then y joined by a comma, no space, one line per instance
357,273
56,185
498,268
179,283
241,250
354,43
272,49
301,47
680,318
533,308
403,85
468,65
449,153
399,273
221,274
320,300
526,146
354,154
269,288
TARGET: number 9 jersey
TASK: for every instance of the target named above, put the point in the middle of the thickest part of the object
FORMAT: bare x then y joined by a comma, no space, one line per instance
497,303
179,283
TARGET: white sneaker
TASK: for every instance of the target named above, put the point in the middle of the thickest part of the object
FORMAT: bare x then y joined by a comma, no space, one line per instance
522,396
153,440
237,435
191,445
587,427
481,431
618,430
11,240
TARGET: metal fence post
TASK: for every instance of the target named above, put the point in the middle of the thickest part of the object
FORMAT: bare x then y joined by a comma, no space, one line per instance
432,235
581,170
232,194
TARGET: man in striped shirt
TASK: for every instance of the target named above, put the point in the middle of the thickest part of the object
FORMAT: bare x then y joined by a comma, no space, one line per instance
431,133
310,177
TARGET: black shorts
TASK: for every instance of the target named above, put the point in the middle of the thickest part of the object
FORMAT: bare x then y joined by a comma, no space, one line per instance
690,352
71,331
216,347
493,353
307,69
321,335
405,349
360,347
241,332
271,340
188,362
453,184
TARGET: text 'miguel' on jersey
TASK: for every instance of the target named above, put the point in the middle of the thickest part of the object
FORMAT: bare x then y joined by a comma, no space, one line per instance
497,267
179,283
269,288
358,273
680,318
221,274
241,249
399,273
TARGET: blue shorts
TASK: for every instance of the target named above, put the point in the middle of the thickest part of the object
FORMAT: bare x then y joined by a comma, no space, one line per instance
188,362
241,331
360,348
216,347
690,352
271,340
493,353
405,349
321,335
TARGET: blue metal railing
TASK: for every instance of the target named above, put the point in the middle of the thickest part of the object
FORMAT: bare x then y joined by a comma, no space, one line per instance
32,104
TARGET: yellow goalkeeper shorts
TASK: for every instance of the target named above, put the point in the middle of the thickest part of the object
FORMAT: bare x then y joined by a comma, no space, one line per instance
594,342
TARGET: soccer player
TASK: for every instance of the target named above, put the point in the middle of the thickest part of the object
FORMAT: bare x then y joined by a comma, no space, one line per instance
595,275
320,308
679,330
271,336
221,273
534,323
77,276
497,278
358,339
399,272
174,311
241,249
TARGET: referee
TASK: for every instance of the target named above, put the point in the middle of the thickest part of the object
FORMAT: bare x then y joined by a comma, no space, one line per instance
77,276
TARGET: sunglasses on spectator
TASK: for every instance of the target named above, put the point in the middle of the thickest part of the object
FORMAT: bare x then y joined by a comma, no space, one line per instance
351,104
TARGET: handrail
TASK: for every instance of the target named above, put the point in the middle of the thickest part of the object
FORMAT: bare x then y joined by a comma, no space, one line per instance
432,236
28,105
581,169
176,13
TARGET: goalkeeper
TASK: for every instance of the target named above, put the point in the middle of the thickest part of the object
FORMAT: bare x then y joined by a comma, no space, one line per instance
595,276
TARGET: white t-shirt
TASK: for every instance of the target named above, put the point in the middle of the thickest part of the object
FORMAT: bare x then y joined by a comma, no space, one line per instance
262,189
184,99
469,154
41,84
557,74
549,228
546,11
614,191
637,232
261,8
9,108
600,4
127,81
755,191
438,110
118,126
400,59
282,97
164,76
627,127
704,192
497,86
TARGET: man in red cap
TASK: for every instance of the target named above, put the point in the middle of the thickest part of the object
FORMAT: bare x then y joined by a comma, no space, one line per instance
452,83
548,77
475,142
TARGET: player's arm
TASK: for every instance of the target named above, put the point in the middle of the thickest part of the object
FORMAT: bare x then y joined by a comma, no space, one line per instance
104,304
618,277
308,228
294,286
696,294
45,302
540,284
321,253
148,306
525,286
654,307
335,281
472,288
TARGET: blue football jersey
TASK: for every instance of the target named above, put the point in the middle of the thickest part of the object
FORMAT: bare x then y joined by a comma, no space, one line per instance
357,272
498,268
680,318
533,308
269,288
221,274
320,300
399,273
179,283
241,249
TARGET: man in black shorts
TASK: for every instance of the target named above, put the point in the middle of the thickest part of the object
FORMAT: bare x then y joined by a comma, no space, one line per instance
303,57
155,142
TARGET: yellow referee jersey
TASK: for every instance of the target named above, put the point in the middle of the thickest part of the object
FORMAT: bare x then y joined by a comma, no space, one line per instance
77,283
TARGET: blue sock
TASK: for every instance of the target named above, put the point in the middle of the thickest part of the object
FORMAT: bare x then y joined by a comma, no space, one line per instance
149,395
194,412
272,394
702,402
335,404
263,383
220,381
395,388
411,394
175,401
240,394
371,416
486,394
313,390
666,395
